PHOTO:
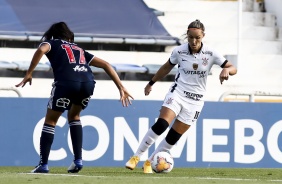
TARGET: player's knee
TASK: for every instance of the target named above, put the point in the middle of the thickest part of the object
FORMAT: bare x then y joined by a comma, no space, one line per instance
172,137
160,126
73,115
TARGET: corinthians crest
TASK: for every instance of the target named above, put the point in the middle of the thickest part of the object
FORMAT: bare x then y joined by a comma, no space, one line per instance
205,61
195,66
169,101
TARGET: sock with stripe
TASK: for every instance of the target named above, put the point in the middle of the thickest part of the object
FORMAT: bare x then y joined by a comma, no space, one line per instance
46,140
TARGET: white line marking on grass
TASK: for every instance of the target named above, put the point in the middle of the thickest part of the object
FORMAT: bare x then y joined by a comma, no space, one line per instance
235,179
49,174
154,177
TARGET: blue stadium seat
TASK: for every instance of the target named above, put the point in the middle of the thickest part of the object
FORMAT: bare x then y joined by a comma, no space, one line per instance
97,70
153,68
8,65
128,68
24,65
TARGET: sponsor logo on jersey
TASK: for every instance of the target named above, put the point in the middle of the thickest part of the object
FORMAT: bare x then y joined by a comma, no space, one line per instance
183,52
207,53
195,66
193,96
194,72
78,68
201,74
205,61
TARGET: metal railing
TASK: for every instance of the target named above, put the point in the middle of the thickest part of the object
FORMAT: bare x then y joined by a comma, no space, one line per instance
251,94
11,89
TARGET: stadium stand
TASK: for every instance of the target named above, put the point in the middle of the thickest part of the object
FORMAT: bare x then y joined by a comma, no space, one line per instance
123,69
21,27
153,68
23,66
261,47
7,65
109,25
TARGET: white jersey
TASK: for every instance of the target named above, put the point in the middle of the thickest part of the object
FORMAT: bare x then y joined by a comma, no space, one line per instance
193,70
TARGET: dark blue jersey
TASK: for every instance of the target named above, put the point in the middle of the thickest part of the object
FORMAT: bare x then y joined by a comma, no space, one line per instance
69,62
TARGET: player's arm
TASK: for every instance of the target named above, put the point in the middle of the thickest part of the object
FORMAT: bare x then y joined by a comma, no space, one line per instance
42,49
228,69
100,63
124,95
161,73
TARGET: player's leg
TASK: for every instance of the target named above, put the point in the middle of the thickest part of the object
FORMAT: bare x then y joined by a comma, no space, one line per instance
58,103
169,110
185,118
177,130
80,101
76,134
166,116
166,144
46,140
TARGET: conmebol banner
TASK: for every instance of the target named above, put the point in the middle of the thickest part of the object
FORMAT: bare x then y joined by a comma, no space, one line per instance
227,134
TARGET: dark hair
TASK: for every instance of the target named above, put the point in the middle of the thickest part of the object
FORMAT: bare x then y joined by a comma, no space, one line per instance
197,24
59,30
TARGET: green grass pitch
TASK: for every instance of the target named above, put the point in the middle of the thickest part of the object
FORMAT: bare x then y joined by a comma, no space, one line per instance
118,175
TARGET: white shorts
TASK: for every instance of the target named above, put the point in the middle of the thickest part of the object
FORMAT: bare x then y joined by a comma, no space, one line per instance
185,109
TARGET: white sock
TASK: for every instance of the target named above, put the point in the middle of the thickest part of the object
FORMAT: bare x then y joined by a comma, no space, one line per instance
163,146
147,141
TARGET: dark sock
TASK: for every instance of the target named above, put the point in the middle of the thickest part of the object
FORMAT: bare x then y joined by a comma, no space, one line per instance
172,137
76,138
46,140
160,126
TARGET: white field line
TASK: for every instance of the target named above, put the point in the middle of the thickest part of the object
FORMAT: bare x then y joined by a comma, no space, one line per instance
155,177
71,175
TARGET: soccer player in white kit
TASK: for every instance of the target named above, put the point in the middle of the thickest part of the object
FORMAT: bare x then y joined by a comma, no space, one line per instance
184,100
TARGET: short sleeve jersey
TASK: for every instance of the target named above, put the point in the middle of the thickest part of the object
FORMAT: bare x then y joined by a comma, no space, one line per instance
193,70
69,62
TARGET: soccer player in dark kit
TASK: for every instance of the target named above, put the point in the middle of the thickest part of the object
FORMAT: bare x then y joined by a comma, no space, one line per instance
72,89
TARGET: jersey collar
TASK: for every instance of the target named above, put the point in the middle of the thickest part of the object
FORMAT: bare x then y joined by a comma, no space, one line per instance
190,50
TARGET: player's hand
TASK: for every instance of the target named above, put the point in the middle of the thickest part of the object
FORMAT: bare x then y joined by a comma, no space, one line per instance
224,75
27,78
147,89
125,97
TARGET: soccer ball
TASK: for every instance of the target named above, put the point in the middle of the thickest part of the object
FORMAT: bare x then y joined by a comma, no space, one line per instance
162,162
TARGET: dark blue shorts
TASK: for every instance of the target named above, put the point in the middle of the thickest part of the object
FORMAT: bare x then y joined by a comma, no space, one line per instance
66,93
